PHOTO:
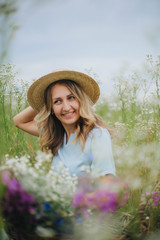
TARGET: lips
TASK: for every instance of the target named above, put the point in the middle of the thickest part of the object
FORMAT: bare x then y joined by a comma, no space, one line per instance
68,114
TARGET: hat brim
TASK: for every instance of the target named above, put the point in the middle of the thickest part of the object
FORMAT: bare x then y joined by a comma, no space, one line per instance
36,91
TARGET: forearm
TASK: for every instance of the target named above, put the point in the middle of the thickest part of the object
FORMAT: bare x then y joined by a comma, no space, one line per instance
25,121
27,115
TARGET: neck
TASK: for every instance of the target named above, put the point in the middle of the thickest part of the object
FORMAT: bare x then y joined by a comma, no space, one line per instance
69,130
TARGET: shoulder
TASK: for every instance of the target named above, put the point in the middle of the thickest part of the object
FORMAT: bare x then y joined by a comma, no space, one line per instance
99,132
99,136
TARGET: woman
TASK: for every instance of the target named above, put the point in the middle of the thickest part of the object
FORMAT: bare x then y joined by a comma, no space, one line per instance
67,124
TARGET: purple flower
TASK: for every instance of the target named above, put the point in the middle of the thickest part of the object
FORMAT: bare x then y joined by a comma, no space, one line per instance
79,200
106,201
99,197
156,199
100,200
16,198
153,198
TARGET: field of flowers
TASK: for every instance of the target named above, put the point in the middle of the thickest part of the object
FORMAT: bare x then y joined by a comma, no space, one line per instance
127,209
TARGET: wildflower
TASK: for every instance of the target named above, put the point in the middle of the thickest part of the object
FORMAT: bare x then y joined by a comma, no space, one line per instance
153,198
47,206
79,200
59,221
16,198
106,201
156,199
45,232
99,197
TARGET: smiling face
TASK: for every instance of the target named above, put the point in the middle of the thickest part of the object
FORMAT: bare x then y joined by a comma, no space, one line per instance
65,106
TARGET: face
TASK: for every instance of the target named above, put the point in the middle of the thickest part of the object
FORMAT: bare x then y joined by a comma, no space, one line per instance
64,105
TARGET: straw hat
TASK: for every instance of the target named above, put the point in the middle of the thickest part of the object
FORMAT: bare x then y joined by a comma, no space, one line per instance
36,91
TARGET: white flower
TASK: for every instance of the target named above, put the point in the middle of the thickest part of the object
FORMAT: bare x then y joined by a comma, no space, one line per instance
53,185
45,232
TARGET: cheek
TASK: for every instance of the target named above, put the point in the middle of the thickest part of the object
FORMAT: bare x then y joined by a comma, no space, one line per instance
76,106
55,109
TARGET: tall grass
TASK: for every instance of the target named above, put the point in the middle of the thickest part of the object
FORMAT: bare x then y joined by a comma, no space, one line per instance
133,112
13,100
134,107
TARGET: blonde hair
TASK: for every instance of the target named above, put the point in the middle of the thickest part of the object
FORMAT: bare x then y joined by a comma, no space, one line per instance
50,128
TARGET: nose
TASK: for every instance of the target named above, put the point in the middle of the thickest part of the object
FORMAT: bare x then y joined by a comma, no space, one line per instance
66,106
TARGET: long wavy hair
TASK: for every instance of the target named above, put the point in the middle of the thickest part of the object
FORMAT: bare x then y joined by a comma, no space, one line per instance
51,130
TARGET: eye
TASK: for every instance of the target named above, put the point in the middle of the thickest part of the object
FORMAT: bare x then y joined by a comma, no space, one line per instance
71,97
57,101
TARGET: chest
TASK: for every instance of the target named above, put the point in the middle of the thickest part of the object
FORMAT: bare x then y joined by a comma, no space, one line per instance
73,158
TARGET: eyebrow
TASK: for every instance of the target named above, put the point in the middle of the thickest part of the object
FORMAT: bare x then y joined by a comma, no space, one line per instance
60,97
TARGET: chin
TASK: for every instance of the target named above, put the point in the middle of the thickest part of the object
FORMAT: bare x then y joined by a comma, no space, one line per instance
71,121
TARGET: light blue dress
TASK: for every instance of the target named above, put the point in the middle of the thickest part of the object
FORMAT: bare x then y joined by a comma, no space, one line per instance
97,154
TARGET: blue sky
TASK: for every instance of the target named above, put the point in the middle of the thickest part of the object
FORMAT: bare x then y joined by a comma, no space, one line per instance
104,35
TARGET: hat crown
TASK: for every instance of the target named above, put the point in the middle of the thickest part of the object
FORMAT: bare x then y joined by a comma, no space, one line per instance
36,91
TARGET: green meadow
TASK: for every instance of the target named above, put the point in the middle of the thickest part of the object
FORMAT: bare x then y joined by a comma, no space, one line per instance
131,113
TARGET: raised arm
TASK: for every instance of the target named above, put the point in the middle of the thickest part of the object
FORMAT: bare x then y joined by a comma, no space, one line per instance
25,121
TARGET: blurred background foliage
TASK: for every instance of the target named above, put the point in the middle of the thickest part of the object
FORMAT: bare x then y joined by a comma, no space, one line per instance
132,112
8,9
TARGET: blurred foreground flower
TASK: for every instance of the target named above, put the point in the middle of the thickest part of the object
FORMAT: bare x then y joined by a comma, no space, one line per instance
28,217
16,198
99,197
19,207
41,202
37,202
